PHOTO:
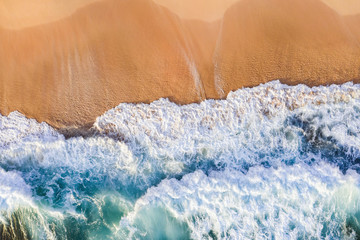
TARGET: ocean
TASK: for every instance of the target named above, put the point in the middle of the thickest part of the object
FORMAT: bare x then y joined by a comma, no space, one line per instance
269,162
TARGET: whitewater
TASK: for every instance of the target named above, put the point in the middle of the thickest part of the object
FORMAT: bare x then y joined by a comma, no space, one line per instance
269,162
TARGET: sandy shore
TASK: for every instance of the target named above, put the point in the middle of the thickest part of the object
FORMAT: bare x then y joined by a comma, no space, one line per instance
67,65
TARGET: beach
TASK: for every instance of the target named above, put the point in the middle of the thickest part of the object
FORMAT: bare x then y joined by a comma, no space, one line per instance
191,119
93,55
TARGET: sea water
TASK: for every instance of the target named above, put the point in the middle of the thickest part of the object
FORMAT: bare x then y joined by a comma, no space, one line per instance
269,162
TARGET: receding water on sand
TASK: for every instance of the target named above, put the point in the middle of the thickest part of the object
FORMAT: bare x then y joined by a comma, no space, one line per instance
272,161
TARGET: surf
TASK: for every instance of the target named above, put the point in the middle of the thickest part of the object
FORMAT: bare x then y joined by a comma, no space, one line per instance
270,161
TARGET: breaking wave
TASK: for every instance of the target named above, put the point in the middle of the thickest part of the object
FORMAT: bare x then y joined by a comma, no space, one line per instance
273,161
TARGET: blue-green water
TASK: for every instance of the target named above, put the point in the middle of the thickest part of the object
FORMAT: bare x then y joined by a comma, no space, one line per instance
271,162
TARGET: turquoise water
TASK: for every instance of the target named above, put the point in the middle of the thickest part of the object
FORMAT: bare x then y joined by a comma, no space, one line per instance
270,162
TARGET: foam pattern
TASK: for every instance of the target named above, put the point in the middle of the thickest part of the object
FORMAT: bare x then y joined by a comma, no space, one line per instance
297,202
271,161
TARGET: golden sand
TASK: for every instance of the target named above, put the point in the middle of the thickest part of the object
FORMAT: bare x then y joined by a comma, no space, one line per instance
67,65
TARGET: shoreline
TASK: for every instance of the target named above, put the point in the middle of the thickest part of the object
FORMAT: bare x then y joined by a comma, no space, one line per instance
70,71
93,131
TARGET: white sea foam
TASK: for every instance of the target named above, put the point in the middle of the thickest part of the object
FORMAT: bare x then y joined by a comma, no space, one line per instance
16,128
250,121
250,127
14,191
284,203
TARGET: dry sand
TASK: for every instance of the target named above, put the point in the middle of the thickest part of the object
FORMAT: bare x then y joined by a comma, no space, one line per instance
17,14
344,7
69,64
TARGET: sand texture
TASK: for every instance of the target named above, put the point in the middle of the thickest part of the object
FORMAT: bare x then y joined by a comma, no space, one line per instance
67,62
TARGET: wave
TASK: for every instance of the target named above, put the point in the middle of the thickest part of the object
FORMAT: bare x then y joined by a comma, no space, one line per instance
284,203
271,161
